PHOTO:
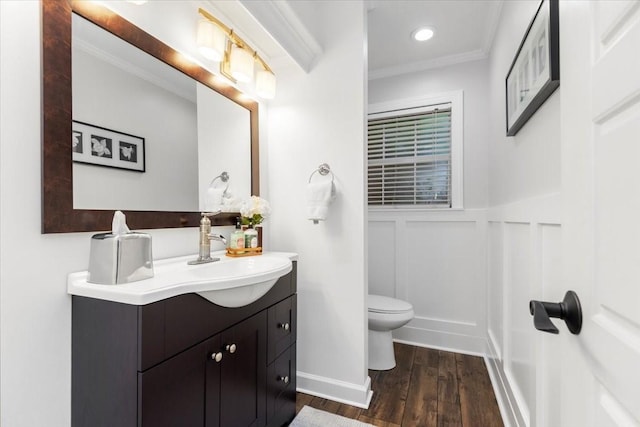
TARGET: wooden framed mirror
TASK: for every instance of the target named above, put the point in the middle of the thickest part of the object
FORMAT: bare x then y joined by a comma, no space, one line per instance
58,213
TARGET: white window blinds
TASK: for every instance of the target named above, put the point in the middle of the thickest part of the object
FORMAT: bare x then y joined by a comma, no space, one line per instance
409,157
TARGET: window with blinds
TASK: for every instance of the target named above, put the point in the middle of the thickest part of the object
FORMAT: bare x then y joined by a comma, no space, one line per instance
409,157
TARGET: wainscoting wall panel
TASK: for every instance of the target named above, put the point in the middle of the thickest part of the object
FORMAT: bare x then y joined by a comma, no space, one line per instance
382,257
518,354
524,263
439,267
549,354
470,275
495,266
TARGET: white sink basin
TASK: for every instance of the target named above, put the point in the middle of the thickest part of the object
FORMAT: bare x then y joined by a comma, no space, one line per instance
230,282
241,281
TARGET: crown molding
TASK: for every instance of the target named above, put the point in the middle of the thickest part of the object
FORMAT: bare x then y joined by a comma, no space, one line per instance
281,22
494,20
430,64
134,70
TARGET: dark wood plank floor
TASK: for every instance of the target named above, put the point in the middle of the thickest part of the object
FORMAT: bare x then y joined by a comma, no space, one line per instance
427,388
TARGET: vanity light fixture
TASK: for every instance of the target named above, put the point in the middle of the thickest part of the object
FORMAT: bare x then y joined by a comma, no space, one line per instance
423,34
218,42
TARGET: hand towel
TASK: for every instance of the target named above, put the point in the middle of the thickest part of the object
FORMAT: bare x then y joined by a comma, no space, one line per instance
319,197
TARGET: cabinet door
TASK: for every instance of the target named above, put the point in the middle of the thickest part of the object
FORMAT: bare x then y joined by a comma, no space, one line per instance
172,394
243,374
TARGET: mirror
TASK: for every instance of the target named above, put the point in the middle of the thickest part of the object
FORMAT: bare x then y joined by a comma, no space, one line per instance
88,208
188,133
223,146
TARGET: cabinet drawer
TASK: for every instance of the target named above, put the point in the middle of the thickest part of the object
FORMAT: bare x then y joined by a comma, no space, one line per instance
281,331
281,389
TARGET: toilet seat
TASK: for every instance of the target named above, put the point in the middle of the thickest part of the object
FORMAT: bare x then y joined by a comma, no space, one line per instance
386,305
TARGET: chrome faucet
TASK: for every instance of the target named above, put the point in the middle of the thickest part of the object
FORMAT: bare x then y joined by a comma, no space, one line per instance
204,253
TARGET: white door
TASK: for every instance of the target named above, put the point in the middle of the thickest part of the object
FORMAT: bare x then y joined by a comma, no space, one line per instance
600,113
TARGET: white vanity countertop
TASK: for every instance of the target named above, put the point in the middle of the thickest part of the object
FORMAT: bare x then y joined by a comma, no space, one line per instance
164,284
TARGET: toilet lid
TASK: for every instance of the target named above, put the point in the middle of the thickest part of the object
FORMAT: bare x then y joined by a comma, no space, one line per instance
381,304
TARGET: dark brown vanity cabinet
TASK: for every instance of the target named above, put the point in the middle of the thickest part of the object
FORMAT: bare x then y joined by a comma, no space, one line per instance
185,361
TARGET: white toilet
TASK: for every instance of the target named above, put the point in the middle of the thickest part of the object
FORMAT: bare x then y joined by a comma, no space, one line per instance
385,315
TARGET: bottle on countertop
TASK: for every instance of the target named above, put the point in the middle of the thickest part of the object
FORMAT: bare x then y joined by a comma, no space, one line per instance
237,239
250,237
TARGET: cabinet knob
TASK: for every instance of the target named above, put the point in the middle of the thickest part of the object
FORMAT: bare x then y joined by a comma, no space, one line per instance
284,326
231,348
284,379
216,356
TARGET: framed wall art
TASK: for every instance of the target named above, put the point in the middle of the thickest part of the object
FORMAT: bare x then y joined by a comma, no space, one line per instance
105,147
535,71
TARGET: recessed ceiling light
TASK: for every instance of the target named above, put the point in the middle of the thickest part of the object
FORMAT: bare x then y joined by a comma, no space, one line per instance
423,34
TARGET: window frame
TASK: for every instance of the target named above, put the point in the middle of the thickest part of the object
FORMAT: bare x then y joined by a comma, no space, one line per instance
403,106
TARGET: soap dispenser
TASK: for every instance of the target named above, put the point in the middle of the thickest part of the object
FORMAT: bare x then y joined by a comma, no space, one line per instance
251,237
237,239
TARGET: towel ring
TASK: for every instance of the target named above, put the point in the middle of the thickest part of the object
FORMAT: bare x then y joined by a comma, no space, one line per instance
224,177
323,170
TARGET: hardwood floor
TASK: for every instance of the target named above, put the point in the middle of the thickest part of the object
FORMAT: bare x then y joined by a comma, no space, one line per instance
427,388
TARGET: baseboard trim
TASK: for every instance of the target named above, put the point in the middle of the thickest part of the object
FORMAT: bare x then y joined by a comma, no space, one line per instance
511,414
499,389
435,347
336,390
441,340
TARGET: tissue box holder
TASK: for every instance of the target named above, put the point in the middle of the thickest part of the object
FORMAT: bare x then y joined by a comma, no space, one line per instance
123,258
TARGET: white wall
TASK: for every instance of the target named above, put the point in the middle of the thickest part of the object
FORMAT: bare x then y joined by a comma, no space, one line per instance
319,117
528,164
435,259
35,310
524,237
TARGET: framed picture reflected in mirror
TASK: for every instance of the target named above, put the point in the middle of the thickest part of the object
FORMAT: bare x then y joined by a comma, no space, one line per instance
105,147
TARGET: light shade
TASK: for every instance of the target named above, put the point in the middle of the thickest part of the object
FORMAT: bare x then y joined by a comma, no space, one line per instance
265,84
241,64
210,40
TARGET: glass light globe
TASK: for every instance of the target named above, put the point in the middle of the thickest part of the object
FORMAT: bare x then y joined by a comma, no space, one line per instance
241,64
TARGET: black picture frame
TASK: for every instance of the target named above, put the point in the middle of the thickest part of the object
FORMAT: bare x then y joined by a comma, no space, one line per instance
101,146
535,71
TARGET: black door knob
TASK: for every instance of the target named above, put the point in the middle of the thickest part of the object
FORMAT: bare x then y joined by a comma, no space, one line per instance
568,310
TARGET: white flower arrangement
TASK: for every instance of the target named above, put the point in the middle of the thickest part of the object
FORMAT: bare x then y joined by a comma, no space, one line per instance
254,211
